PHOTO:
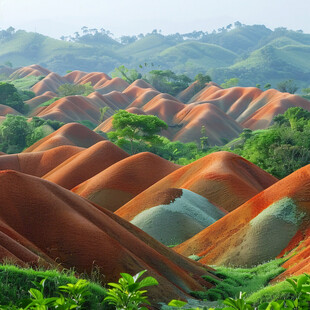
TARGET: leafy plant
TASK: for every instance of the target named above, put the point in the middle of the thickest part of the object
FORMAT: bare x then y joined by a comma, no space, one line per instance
127,293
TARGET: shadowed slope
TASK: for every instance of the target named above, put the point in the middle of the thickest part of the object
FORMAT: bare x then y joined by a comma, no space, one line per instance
271,223
85,164
122,181
41,219
69,134
225,179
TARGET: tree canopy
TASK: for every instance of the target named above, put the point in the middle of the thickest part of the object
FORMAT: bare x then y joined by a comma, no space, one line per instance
77,89
135,128
10,96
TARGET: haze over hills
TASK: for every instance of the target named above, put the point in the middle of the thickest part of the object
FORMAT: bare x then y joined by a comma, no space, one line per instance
254,54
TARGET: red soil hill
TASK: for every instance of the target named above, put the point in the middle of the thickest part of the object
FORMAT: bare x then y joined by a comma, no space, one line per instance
70,134
85,164
270,224
39,219
225,179
122,181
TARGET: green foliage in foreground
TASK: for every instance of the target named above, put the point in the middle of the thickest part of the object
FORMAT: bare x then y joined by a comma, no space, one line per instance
127,293
21,287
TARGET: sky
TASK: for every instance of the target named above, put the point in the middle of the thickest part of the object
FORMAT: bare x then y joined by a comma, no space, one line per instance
128,17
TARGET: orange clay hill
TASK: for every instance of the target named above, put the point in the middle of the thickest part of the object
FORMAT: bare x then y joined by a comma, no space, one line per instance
70,134
35,70
84,165
225,179
70,109
175,215
38,163
50,83
270,224
119,183
41,220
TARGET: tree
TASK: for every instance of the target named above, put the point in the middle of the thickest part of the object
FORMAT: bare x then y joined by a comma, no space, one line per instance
166,81
267,86
288,86
14,131
128,75
201,81
9,96
102,113
233,82
71,89
203,139
135,128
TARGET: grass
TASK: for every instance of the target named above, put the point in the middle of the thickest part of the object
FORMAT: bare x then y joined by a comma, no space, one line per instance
25,83
15,283
48,102
236,280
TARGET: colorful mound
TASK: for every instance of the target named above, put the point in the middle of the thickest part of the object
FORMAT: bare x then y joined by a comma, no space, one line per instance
220,128
85,164
178,219
82,235
36,101
70,109
50,83
4,110
225,179
38,163
35,70
122,181
270,224
70,134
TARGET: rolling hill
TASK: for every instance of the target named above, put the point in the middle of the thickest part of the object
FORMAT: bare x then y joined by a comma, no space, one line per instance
254,54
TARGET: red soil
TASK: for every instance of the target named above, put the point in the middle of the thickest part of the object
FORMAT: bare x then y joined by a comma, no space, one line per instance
219,126
122,181
4,110
28,71
36,101
50,83
74,76
43,220
225,179
116,84
70,134
70,109
218,242
84,165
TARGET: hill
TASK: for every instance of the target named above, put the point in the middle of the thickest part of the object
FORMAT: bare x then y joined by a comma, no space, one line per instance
254,54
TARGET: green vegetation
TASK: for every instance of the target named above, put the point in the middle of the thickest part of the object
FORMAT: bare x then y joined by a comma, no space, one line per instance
22,287
129,75
236,280
167,81
49,102
135,129
281,149
10,96
16,132
254,54
127,293
288,86
233,82
75,89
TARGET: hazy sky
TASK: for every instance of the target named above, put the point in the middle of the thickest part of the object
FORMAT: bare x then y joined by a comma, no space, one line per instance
64,17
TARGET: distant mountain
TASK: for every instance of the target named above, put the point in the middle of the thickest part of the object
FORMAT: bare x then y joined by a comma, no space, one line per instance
254,54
